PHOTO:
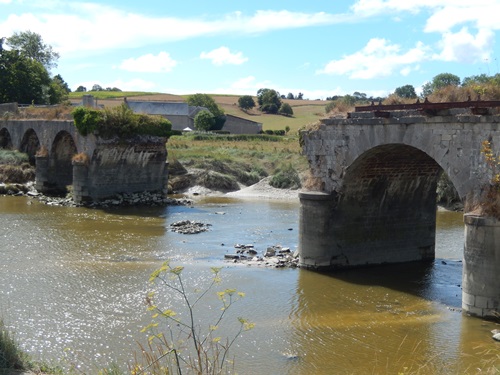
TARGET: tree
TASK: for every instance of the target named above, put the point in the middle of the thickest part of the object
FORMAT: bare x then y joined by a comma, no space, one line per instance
477,80
406,91
290,96
204,120
81,89
204,100
58,90
300,96
286,110
97,87
360,96
246,102
31,45
440,81
269,100
22,79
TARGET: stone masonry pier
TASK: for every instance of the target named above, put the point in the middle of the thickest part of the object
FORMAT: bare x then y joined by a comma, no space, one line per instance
376,175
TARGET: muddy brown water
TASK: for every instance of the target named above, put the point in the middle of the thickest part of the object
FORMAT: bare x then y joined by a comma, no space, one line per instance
73,282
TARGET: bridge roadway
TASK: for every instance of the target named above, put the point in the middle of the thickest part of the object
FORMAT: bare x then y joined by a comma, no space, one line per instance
374,198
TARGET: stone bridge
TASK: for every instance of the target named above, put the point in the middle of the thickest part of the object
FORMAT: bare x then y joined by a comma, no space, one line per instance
375,175
96,168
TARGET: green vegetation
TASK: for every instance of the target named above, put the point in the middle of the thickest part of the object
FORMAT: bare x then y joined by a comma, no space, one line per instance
25,68
242,158
204,100
491,201
286,178
119,121
183,345
286,110
204,121
15,168
13,358
246,102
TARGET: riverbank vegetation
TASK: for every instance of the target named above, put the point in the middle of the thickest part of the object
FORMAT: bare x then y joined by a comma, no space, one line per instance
233,160
15,167
13,359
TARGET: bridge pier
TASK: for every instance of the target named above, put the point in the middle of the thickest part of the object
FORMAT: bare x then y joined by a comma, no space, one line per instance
480,278
337,233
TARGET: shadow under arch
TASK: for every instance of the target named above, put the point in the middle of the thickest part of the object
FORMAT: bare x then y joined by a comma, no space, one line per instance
5,139
60,169
30,145
386,210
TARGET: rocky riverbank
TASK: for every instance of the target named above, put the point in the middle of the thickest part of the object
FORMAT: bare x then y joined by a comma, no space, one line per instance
125,199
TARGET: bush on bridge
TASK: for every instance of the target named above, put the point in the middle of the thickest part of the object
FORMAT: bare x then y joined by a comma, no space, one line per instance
119,121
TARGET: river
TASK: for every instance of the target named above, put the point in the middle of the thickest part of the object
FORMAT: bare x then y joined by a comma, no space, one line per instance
73,283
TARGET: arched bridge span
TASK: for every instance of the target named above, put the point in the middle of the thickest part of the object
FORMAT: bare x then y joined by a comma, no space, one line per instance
376,179
102,168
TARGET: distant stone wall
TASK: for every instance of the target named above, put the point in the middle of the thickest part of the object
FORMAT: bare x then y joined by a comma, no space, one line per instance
238,125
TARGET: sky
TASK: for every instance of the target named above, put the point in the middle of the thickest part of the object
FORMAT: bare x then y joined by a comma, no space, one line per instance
319,48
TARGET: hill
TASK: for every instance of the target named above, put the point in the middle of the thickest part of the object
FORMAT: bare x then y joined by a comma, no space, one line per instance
305,111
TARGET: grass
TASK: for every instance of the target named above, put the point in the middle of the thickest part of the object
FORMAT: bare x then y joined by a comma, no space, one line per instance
13,358
255,153
245,159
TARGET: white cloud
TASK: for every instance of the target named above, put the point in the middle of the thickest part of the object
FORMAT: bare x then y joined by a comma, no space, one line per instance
465,47
162,63
92,27
377,59
223,56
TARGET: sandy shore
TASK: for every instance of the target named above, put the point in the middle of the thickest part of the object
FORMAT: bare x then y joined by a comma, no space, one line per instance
260,190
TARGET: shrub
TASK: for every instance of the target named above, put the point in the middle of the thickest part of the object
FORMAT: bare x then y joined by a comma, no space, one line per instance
204,120
286,178
217,181
119,121
13,157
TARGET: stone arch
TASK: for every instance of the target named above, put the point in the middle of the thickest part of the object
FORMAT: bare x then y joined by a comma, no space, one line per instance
30,144
60,165
5,139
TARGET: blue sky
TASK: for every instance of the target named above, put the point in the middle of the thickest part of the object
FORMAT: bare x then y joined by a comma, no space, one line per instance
319,48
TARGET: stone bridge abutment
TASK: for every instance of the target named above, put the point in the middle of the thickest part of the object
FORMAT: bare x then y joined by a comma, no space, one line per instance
378,177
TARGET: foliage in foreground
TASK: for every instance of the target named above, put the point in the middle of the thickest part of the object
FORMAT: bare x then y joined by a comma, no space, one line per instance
184,345
119,121
12,357
491,202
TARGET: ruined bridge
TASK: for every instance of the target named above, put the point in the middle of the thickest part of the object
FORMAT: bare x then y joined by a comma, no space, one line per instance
376,174
96,168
